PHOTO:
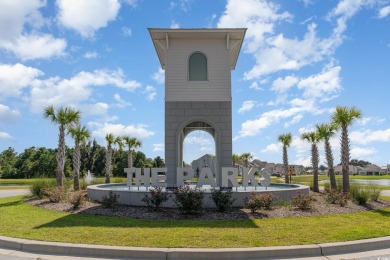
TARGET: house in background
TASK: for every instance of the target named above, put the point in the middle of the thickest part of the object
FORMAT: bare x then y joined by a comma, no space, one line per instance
207,160
371,169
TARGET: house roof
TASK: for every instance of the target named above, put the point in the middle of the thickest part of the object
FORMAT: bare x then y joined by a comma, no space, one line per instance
234,38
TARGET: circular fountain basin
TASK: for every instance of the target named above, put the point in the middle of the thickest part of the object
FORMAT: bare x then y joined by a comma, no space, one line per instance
133,195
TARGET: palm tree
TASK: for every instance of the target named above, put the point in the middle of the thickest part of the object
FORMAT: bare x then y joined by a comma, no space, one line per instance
132,143
285,139
325,132
63,117
110,139
343,117
246,157
235,159
312,137
79,134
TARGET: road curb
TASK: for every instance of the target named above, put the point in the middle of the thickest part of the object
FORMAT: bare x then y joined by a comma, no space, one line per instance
316,250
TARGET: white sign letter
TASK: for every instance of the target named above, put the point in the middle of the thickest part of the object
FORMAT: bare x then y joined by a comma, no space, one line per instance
248,175
184,174
226,177
145,178
206,177
129,172
156,178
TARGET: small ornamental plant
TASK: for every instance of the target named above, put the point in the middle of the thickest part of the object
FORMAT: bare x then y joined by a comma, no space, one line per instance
110,201
302,201
337,197
156,198
222,199
260,201
189,200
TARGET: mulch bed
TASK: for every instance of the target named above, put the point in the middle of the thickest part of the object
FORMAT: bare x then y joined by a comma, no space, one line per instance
320,207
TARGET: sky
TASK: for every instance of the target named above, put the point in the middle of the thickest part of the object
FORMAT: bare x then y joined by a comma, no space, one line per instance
299,60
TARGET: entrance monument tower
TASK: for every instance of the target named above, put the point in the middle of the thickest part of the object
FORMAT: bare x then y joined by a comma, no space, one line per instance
198,96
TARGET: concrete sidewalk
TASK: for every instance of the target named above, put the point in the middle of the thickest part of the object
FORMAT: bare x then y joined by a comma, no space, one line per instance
10,193
364,249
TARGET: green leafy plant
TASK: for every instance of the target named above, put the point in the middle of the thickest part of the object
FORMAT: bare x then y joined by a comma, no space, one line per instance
375,193
55,194
39,184
77,199
110,200
222,199
156,198
337,197
302,201
259,201
189,200
359,195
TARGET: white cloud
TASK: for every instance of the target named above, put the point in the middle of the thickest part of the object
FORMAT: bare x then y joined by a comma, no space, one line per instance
94,109
296,119
184,5
14,78
121,102
385,11
358,152
323,86
159,76
272,148
283,85
6,136
91,55
132,3
7,114
247,106
87,16
14,15
158,147
126,31
369,136
174,25
150,93
255,86
59,92
138,131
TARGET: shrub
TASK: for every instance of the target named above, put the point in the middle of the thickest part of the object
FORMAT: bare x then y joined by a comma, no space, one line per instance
156,198
222,199
336,197
189,201
302,201
358,194
260,200
374,192
55,194
110,201
77,199
37,186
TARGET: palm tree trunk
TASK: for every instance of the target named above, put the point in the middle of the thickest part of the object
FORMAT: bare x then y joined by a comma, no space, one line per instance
129,159
345,159
108,164
285,162
329,159
61,156
314,160
76,166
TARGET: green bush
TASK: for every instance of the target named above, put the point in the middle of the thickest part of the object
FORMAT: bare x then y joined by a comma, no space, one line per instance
188,200
156,198
375,193
337,197
358,194
259,201
77,198
222,199
37,186
110,201
302,201
55,194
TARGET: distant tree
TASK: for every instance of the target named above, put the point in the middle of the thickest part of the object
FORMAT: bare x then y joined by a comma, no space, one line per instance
246,157
63,117
235,158
322,168
343,117
158,162
132,143
285,139
360,163
110,139
80,135
8,160
312,137
325,132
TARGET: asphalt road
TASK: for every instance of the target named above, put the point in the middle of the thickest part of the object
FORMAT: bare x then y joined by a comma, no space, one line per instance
10,193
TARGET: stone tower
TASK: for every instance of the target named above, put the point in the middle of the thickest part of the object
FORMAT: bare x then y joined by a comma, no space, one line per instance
197,64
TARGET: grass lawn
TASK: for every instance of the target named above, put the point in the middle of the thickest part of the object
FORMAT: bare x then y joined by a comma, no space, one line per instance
19,219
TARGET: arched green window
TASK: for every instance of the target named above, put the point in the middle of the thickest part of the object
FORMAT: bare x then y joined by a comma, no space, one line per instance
197,67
